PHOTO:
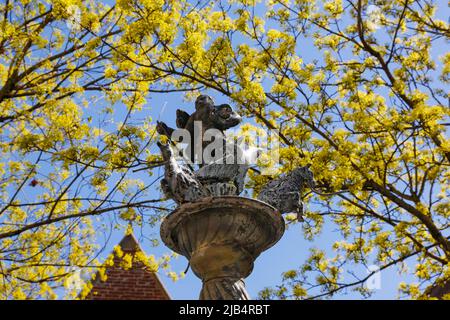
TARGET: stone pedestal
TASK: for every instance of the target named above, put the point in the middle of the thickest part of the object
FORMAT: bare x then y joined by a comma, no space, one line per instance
221,237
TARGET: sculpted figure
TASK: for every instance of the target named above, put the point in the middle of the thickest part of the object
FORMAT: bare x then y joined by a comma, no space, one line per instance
219,117
222,177
179,182
230,169
285,192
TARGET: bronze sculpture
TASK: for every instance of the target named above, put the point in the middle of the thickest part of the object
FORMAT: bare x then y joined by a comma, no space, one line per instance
219,232
285,192
220,117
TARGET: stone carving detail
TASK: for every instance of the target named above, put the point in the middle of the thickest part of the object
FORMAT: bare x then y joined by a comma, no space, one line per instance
285,192
179,182
230,172
219,117
222,237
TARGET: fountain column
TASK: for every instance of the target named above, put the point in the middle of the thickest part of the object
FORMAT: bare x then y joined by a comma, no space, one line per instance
221,237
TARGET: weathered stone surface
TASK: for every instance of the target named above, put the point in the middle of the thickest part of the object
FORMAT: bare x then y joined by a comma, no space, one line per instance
225,173
285,192
221,237
179,182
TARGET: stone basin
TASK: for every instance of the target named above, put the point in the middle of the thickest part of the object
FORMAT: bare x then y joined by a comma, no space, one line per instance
221,237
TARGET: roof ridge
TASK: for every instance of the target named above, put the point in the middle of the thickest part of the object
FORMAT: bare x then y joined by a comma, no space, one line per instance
128,244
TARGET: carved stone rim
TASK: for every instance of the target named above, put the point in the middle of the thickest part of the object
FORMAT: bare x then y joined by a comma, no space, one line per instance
184,211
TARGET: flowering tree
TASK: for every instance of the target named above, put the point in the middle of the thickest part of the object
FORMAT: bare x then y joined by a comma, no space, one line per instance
355,88
64,159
